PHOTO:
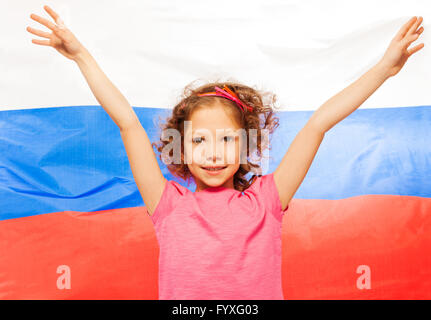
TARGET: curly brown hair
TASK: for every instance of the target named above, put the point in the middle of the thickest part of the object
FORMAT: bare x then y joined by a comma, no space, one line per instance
260,118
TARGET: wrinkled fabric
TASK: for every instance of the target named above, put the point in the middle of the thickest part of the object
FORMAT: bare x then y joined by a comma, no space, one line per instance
220,243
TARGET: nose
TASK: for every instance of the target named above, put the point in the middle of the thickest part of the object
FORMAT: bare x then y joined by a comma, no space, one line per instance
217,153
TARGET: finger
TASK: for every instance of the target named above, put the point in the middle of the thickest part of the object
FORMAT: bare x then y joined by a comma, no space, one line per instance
51,12
43,21
414,27
55,16
409,39
41,42
39,32
412,37
405,28
415,49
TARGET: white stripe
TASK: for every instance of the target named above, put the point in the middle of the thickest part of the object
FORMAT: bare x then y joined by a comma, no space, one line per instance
304,51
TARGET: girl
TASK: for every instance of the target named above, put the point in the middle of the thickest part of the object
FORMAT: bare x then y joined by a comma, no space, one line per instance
222,241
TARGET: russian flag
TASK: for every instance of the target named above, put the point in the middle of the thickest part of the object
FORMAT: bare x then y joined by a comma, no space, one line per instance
72,222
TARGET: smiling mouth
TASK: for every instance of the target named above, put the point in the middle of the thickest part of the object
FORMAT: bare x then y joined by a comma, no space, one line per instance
218,168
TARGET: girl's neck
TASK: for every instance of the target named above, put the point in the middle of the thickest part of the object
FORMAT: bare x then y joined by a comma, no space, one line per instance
200,186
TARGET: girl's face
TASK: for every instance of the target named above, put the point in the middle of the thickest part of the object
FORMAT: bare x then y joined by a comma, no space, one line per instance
212,139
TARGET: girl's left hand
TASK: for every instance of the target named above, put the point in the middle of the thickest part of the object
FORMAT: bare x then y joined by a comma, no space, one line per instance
397,53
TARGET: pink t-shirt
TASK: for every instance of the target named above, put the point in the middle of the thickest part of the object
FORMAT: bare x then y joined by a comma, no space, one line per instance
220,243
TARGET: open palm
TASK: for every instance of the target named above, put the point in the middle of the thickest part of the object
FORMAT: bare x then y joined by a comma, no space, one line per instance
61,38
398,51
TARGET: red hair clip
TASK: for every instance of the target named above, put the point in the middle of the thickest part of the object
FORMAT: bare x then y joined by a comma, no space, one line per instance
229,94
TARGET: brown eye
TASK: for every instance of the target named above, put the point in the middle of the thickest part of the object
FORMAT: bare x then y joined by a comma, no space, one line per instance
197,139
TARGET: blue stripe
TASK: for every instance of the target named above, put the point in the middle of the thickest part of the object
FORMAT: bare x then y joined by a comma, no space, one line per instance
73,158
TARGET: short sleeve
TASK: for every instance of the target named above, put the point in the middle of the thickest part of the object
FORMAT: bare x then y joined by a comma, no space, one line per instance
266,189
172,193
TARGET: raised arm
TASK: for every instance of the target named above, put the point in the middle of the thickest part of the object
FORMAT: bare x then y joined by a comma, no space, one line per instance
142,159
295,164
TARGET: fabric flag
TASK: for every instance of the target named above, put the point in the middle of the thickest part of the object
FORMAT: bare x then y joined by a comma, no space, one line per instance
72,221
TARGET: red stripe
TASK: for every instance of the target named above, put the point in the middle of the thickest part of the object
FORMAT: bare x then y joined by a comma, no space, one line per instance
113,254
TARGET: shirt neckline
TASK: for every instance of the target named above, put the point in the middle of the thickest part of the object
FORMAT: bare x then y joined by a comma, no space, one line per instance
213,189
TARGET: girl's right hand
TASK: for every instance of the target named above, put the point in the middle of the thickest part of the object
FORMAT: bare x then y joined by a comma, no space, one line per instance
61,39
